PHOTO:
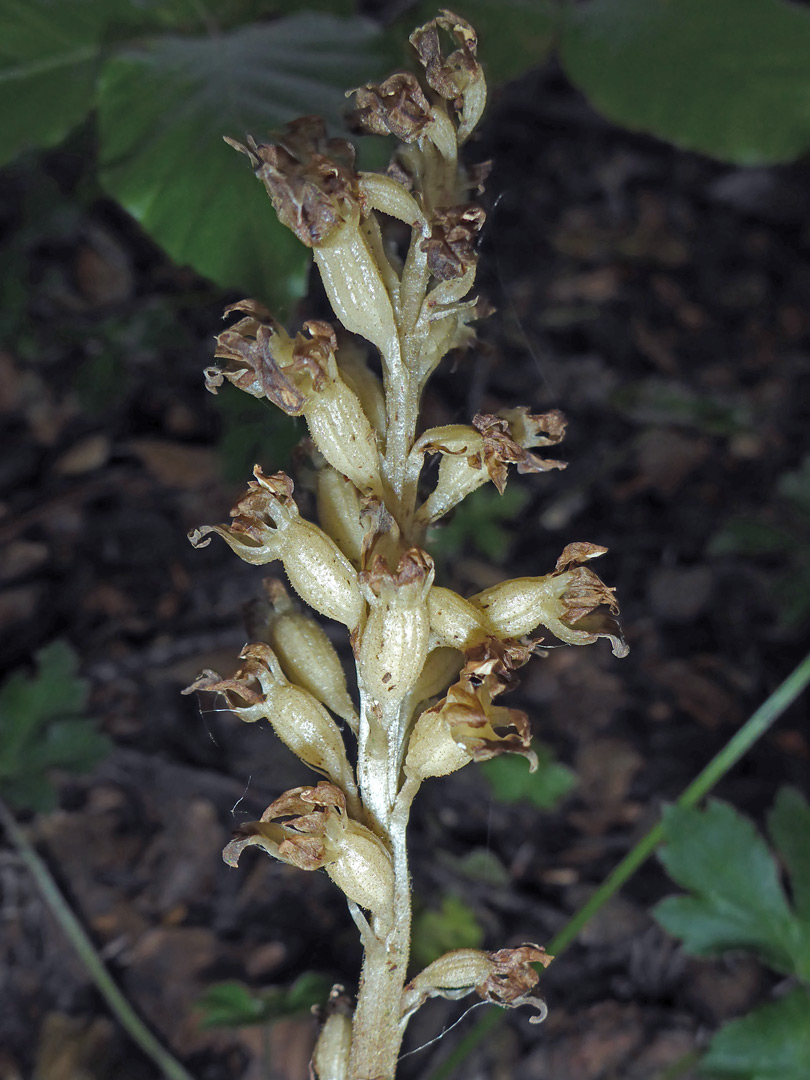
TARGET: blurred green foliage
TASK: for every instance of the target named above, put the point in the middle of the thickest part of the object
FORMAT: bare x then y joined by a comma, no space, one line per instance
42,728
481,522
511,781
779,537
254,432
453,925
232,1004
656,400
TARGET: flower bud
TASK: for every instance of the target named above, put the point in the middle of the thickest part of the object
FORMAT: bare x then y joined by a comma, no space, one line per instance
394,641
454,621
339,511
330,1059
307,656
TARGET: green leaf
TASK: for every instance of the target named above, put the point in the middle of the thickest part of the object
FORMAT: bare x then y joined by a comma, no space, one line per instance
49,56
453,926
789,826
41,728
513,35
481,865
738,901
771,1043
728,78
164,108
232,1004
511,780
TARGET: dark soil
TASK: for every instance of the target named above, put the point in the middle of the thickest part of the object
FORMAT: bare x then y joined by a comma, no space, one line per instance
661,301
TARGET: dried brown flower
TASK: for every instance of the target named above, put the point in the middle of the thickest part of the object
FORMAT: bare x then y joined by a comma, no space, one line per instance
309,177
396,106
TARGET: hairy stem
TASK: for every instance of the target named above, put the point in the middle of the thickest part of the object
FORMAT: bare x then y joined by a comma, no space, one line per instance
378,1025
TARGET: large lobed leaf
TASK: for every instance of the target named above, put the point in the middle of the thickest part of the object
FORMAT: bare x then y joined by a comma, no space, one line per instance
737,900
729,78
164,107
49,55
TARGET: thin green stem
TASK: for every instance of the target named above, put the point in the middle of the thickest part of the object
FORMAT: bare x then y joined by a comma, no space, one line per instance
754,728
75,933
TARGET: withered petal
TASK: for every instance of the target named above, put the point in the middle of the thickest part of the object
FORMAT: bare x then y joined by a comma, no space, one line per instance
501,450
305,852
212,682
447,76
450,249
578,552
500,657
512,978
602,624
301,801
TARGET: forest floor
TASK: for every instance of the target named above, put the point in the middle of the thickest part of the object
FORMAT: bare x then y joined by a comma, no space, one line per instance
657,298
